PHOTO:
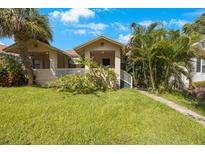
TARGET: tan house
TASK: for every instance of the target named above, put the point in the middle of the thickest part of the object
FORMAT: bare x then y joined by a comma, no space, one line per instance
49,62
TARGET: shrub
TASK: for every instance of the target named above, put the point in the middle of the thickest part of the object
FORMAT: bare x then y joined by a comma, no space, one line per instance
11,72
102,77
199,90
74,83
97,78
199,84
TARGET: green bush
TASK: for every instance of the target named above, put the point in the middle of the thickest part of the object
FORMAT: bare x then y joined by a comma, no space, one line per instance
11,72
198,84
79,83
101,76
98,78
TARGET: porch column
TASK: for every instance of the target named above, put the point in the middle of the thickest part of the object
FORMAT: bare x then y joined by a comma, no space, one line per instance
53,62
117,64
87,56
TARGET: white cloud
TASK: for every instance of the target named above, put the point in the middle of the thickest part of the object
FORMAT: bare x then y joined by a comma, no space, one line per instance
124,38
1,43
119,26
102,10
177,22
93,26
98,26
96,33
172,22
73,15
80,31
55,14
146,22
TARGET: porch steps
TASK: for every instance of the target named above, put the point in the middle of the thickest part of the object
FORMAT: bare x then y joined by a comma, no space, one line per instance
125,79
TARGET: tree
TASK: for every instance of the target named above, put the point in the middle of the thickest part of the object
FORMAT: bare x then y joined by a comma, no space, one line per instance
161,57
197,27
142,42
22,25
196,31
175,56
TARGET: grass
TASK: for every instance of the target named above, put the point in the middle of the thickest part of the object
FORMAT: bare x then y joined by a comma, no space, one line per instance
178,98
31,115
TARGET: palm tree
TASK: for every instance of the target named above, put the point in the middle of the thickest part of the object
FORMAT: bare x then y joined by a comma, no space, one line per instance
197,27
142,42
22,25
176,52
160,56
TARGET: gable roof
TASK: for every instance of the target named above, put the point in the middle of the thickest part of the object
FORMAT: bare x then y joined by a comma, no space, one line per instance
2,47
13,46
97,39
71,53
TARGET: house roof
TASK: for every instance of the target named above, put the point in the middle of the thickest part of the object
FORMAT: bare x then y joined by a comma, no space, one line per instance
71,53
2,47
97,39
12,47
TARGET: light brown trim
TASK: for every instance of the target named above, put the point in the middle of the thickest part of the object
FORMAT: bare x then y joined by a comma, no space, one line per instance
44,44
96,39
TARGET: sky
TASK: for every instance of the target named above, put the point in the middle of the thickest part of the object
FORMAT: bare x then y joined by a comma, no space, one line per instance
72,27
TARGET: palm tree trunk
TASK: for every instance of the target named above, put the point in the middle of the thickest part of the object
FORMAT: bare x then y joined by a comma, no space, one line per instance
133,72
23,50
167,78
144,73
151,75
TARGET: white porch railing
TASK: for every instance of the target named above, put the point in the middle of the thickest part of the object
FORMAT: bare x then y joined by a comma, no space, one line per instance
64,71
44,75
126,77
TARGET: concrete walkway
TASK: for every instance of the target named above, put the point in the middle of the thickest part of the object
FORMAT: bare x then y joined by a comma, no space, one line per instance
200,119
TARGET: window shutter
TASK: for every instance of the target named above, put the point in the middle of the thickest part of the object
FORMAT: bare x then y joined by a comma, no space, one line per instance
198,65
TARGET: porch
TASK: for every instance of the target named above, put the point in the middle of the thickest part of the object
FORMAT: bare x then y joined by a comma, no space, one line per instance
48,66
103,51
44,75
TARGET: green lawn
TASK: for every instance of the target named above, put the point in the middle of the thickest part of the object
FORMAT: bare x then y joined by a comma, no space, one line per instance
190,104
30,115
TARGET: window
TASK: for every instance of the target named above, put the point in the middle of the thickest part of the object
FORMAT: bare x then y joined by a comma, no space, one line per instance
198,65
106,61
36,63
203,66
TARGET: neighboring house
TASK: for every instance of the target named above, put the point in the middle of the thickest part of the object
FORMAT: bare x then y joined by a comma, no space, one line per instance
2,47
198,73
49,62
45,59
74,59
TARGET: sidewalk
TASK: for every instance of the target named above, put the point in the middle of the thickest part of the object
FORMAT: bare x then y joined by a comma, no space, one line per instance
200,119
